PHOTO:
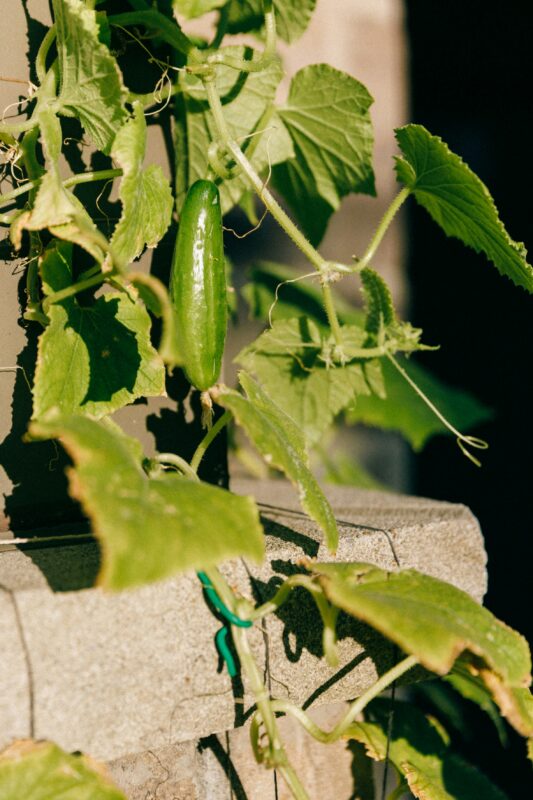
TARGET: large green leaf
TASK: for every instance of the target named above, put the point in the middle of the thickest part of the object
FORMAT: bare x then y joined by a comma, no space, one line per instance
430,619
327,116
292,16
42,771
145,193
281,444
402,409
420,753
149,528
92,359
458,201
249,112
91,86
290,360
195,8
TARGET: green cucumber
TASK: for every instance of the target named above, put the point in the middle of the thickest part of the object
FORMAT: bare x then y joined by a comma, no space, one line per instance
198,285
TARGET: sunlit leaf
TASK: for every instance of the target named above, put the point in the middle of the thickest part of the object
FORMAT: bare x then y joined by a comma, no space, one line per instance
149,528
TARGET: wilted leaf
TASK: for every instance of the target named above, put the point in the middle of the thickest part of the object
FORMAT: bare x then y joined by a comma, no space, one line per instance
149,528
42,771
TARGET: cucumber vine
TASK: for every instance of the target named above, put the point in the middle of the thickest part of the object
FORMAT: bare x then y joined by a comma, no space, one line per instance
234,147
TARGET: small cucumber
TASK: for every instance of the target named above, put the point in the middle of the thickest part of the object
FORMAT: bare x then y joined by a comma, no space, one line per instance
198,285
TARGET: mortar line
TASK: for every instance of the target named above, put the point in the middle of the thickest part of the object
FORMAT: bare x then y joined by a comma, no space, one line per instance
27,660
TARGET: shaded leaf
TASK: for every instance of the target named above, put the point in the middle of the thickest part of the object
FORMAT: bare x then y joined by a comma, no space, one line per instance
458,201
149,528
292,17
248,109
402,409
92,359
281,444
420,753
328,120
91,85
430,619
145,193
291,362
41,770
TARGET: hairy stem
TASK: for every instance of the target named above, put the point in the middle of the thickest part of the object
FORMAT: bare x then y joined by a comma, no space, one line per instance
42,53
74,180
266,57
329,306
382,228
208,438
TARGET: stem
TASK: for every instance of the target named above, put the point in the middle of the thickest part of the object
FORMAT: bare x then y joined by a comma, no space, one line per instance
42,53
268,199
462,440
168,30
18,127
179,462
72,290
208,438
329,306
355,707
382,228
74,180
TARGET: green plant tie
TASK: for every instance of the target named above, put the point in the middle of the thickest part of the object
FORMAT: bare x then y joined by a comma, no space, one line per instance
221,636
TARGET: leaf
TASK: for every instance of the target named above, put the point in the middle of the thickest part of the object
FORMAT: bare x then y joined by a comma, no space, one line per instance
145,193
430,619
458,201
292,17
281,444
419,752
250,116
41,771
402,410
149,528
288,361
327,118
91,85
195,8
92,359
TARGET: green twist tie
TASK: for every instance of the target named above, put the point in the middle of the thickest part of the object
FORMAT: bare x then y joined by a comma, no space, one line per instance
221,636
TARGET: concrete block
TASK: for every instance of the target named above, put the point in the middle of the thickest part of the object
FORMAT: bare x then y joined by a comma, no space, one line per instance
115,674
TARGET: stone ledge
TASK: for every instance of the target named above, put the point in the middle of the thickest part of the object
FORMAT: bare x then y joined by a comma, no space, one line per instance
136,671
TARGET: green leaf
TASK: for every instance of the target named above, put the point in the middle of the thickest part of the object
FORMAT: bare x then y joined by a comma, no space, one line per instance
420,753
290,360
250,116
402,410
281,444
92,359
41,771
458,201
292,17
329,123
91,86
472,688
430,619
195,8
149,528
145,193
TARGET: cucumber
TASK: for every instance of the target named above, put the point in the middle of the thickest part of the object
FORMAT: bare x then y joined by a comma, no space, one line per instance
198,285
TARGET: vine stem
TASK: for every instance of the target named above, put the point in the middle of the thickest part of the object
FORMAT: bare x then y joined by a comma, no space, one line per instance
266,56
329,306
73,289
382,228
208,438
40,60
327,737
74,180
179,463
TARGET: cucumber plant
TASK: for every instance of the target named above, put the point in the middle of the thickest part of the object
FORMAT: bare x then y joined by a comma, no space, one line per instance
232,143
